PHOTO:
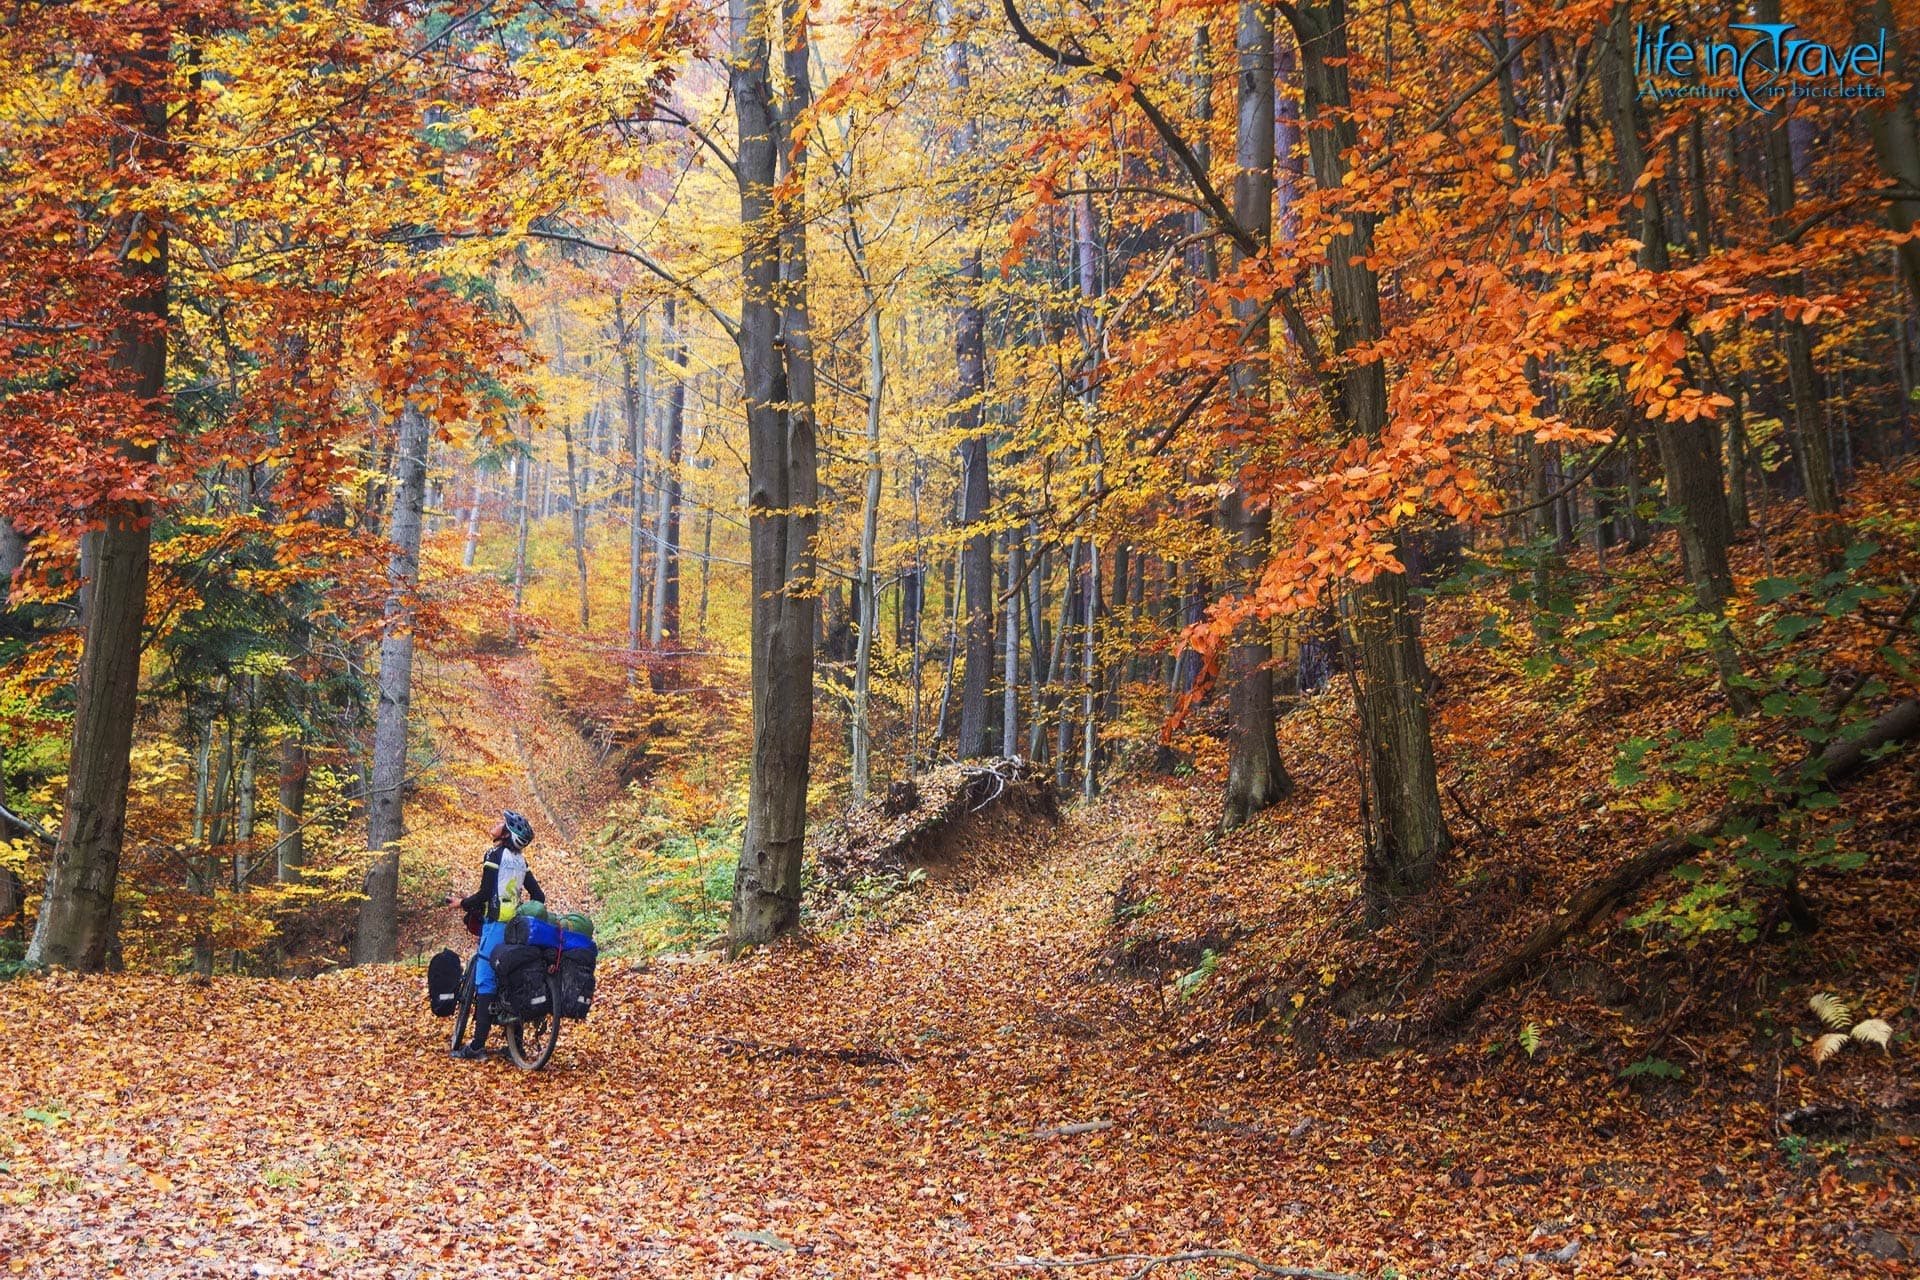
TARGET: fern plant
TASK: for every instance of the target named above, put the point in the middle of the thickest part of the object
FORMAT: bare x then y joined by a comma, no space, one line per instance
1842,1030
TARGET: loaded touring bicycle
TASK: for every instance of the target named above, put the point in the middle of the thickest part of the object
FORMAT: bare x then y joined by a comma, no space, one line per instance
545,974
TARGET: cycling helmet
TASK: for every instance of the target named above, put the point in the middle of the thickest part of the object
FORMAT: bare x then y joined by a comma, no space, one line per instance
519,830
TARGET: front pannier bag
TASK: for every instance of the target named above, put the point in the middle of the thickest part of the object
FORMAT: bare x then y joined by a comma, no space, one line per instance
443,983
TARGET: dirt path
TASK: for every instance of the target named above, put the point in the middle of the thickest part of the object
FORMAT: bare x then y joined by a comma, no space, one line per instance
505,744
969,1079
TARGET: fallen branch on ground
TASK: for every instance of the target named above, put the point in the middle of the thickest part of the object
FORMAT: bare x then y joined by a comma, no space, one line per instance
1149,1261
1838,763
859,1057
1070,1130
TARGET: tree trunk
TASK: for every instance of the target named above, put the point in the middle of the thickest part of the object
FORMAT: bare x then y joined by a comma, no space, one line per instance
1010,655
1689,452
290,844
868,590
1256,778
1406,828
577,513
522,495
75,926
634,395
472,548
1090,679
666,539
1812,445
776,361
377,936
1896,142
970,356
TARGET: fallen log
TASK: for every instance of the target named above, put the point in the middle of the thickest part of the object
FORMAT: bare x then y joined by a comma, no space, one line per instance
885,835
1840,762
1069,1130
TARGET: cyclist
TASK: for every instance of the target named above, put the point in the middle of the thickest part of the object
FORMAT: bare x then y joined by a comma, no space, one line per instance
504,877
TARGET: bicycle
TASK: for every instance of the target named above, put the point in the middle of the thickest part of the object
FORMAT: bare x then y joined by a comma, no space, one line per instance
530,1041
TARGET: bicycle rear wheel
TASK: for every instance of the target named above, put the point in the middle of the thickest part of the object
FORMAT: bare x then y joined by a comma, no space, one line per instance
530,1041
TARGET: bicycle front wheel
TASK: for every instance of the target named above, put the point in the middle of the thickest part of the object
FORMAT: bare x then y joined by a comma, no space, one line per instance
463,1009
530,1041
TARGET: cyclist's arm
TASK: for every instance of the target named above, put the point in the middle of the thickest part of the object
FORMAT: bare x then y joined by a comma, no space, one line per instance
484,894
533,887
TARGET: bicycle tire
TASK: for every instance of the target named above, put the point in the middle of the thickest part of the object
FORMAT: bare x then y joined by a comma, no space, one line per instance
463,1007
531,1041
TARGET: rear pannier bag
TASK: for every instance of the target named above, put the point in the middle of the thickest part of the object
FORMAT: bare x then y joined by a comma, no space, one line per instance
520,973
576,981
443,983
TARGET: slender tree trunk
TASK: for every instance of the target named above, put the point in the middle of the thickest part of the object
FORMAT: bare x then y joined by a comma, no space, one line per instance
706,565
577,513
1090,678
472,548
290,845
522,482
634,388
377,936
776,359
76,923
1406,828
1256,778
12,892
868,590
1010,657
666,538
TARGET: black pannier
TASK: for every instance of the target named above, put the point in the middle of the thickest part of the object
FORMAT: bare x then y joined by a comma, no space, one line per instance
520,972
443,983
576,981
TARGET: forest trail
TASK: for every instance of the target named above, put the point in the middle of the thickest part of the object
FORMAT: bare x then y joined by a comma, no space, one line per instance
971,1076
505,743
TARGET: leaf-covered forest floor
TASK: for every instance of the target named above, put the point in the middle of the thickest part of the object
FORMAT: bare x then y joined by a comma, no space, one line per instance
1118,1035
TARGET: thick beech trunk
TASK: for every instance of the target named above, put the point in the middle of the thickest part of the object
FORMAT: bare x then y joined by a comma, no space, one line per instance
75,926
1406,828
776,362
1689,452
1255,776
377,936
1896,142
969,414
1811,444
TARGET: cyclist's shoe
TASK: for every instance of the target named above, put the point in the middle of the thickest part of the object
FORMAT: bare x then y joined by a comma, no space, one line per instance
468,1053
